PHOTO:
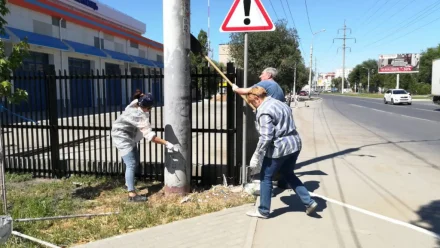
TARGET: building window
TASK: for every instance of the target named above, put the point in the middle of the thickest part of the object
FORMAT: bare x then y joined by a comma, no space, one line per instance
79,65
56,22
35,62
97,42
134,44
159,58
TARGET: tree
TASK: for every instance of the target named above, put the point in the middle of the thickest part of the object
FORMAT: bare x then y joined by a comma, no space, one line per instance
337,82
200,64
278,49
417,83
7,92
359,75
425,73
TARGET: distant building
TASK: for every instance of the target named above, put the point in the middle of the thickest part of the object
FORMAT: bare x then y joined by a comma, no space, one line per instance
338,72
325,80
224,54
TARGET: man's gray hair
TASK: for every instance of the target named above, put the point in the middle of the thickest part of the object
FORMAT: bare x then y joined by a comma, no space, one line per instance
272,71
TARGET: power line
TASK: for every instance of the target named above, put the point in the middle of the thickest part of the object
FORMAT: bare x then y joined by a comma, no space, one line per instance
380,24
293,21
372,6
365,14
291,16
274,10
308,18
375,12
418,28
284,10
429,10
344,47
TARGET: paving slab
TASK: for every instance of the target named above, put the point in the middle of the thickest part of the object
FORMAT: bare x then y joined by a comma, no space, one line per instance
226,228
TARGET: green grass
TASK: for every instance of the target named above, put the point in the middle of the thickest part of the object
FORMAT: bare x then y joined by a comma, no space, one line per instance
31,198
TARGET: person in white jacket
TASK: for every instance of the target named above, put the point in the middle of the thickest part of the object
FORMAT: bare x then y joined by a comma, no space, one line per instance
128,129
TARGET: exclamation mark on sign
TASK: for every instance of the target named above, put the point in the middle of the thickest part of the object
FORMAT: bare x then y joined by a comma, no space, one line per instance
247,8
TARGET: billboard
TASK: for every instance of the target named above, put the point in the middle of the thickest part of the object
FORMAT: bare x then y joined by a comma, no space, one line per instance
399,63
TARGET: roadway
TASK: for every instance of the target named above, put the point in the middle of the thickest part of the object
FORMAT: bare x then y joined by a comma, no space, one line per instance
419,122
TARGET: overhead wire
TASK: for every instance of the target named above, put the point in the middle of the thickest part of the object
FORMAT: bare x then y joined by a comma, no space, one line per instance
294,25
418,17
368,19
388,17
365,14
416,29
274,10
284,10
308,18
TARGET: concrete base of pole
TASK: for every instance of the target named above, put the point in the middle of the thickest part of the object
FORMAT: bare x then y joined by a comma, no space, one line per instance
176,190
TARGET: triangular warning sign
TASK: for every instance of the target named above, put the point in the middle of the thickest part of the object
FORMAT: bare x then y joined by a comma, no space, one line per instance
247,16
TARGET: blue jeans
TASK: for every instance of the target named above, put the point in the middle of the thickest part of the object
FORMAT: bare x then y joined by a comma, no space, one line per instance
286,166
131,160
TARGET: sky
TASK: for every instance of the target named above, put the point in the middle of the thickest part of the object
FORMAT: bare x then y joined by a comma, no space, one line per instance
379,26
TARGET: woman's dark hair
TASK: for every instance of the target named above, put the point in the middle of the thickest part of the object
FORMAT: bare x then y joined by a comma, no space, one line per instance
137,94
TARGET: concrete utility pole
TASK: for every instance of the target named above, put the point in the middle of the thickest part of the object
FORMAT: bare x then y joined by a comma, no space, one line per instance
368,86
311,61
316,73
294,87
343,52
177,118
310,70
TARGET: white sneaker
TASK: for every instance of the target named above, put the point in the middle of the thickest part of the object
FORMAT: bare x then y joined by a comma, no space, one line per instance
311,209
255,213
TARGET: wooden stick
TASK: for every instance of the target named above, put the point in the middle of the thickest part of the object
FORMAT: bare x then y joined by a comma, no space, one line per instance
226,78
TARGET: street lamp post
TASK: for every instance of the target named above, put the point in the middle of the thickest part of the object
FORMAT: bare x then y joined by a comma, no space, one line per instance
368,86
311,56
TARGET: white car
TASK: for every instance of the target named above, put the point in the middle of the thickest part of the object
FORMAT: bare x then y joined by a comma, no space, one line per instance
397,96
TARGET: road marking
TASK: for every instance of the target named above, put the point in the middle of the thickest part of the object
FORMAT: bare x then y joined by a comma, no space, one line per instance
412,117
428,110
391,220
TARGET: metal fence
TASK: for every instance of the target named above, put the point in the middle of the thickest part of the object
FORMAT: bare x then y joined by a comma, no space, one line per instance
74,114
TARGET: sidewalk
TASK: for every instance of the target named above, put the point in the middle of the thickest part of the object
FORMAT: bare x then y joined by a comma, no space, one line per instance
364,199
228,228
365,196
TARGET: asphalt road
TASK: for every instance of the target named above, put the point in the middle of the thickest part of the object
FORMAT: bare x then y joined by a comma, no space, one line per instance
415,127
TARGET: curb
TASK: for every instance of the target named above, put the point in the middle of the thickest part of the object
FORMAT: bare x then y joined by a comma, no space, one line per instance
251,230
380,98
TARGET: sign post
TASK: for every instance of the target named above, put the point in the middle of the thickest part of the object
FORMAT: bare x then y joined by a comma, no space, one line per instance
246,16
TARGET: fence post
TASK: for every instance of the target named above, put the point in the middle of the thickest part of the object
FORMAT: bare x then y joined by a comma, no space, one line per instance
239,125
230,124
53,124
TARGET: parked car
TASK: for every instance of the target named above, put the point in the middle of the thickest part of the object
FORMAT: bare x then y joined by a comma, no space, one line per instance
397,96
303,93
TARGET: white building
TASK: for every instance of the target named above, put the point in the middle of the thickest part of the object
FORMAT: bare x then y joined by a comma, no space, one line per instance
86,34
338,72
80,36
325,80
224,54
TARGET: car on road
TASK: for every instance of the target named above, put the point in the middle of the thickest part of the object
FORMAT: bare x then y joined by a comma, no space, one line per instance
397,96
303,93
